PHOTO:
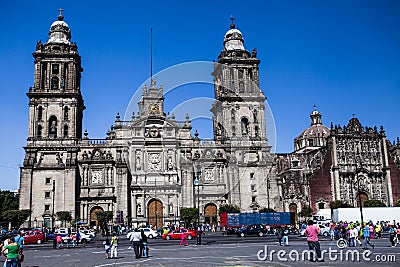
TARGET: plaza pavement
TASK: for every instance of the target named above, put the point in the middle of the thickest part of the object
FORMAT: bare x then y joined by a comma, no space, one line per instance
216,251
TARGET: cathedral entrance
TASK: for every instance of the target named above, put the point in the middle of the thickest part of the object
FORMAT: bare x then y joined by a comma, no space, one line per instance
210,214
93,216
363,197
293,209
155,213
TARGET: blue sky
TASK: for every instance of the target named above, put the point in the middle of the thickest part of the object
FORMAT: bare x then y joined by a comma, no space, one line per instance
342,56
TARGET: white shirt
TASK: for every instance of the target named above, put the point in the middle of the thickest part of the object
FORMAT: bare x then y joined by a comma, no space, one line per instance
136,236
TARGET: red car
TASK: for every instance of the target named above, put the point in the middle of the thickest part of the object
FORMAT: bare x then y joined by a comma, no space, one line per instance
35,236
189,234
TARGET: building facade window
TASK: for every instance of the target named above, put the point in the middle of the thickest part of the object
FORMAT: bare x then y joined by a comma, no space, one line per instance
54,83
46,207
48,180
55,69
40,113
321,205
252,176
47,194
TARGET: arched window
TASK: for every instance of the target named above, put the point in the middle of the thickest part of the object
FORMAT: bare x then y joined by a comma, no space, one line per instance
66,113
233,131
53,127
40,113
65,130
39,131
244,122
54,83
233,114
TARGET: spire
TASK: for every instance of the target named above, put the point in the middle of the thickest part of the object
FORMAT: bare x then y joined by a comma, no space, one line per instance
60,16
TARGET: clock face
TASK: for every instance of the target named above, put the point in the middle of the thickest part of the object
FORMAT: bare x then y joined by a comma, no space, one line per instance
154,109
97,177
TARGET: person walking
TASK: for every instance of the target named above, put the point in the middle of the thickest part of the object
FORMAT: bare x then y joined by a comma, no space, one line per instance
107,246
352,236
285,237
312,240
279,234
143,244
59,241
12,255
20,240
392,235
366,235
114,247
135,240
183,238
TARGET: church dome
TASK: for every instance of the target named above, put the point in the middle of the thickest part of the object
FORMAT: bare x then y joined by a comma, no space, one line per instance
315,135
233,39
59,31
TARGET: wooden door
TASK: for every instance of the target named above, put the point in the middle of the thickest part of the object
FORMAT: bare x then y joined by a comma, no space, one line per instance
155,213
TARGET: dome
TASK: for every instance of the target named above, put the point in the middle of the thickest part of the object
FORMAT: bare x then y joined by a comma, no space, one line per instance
233,39
59,31
315,135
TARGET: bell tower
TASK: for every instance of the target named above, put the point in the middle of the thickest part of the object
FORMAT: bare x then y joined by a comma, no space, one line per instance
50,175
240,126
238,113
55,101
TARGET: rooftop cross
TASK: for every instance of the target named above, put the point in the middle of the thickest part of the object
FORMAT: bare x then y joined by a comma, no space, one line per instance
233,22
60,16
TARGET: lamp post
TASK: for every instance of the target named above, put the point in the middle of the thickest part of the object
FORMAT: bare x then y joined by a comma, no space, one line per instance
52,215
357,175
197,184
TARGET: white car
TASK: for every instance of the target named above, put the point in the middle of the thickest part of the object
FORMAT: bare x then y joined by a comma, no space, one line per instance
88,232
150,233
85,238
324,230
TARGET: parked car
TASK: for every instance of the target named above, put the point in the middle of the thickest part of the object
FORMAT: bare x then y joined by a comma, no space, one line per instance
34,237
85,238
324,230
150,233
189,234
89,233
254,229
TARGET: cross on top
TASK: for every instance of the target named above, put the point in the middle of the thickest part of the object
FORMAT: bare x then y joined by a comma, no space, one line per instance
233,22
60,16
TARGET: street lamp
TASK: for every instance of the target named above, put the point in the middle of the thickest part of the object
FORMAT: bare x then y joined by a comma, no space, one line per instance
357,176
52,215
197,184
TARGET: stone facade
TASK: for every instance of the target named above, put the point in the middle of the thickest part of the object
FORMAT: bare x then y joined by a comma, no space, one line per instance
343,164
147,168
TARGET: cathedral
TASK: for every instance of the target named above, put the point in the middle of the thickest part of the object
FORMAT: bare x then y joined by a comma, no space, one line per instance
149,167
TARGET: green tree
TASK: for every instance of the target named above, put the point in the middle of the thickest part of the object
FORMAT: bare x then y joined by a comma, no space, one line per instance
374,203
228,208
306,212
103,217
397,203
16,217
339,204
64,216
266,210
189,215
8,200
